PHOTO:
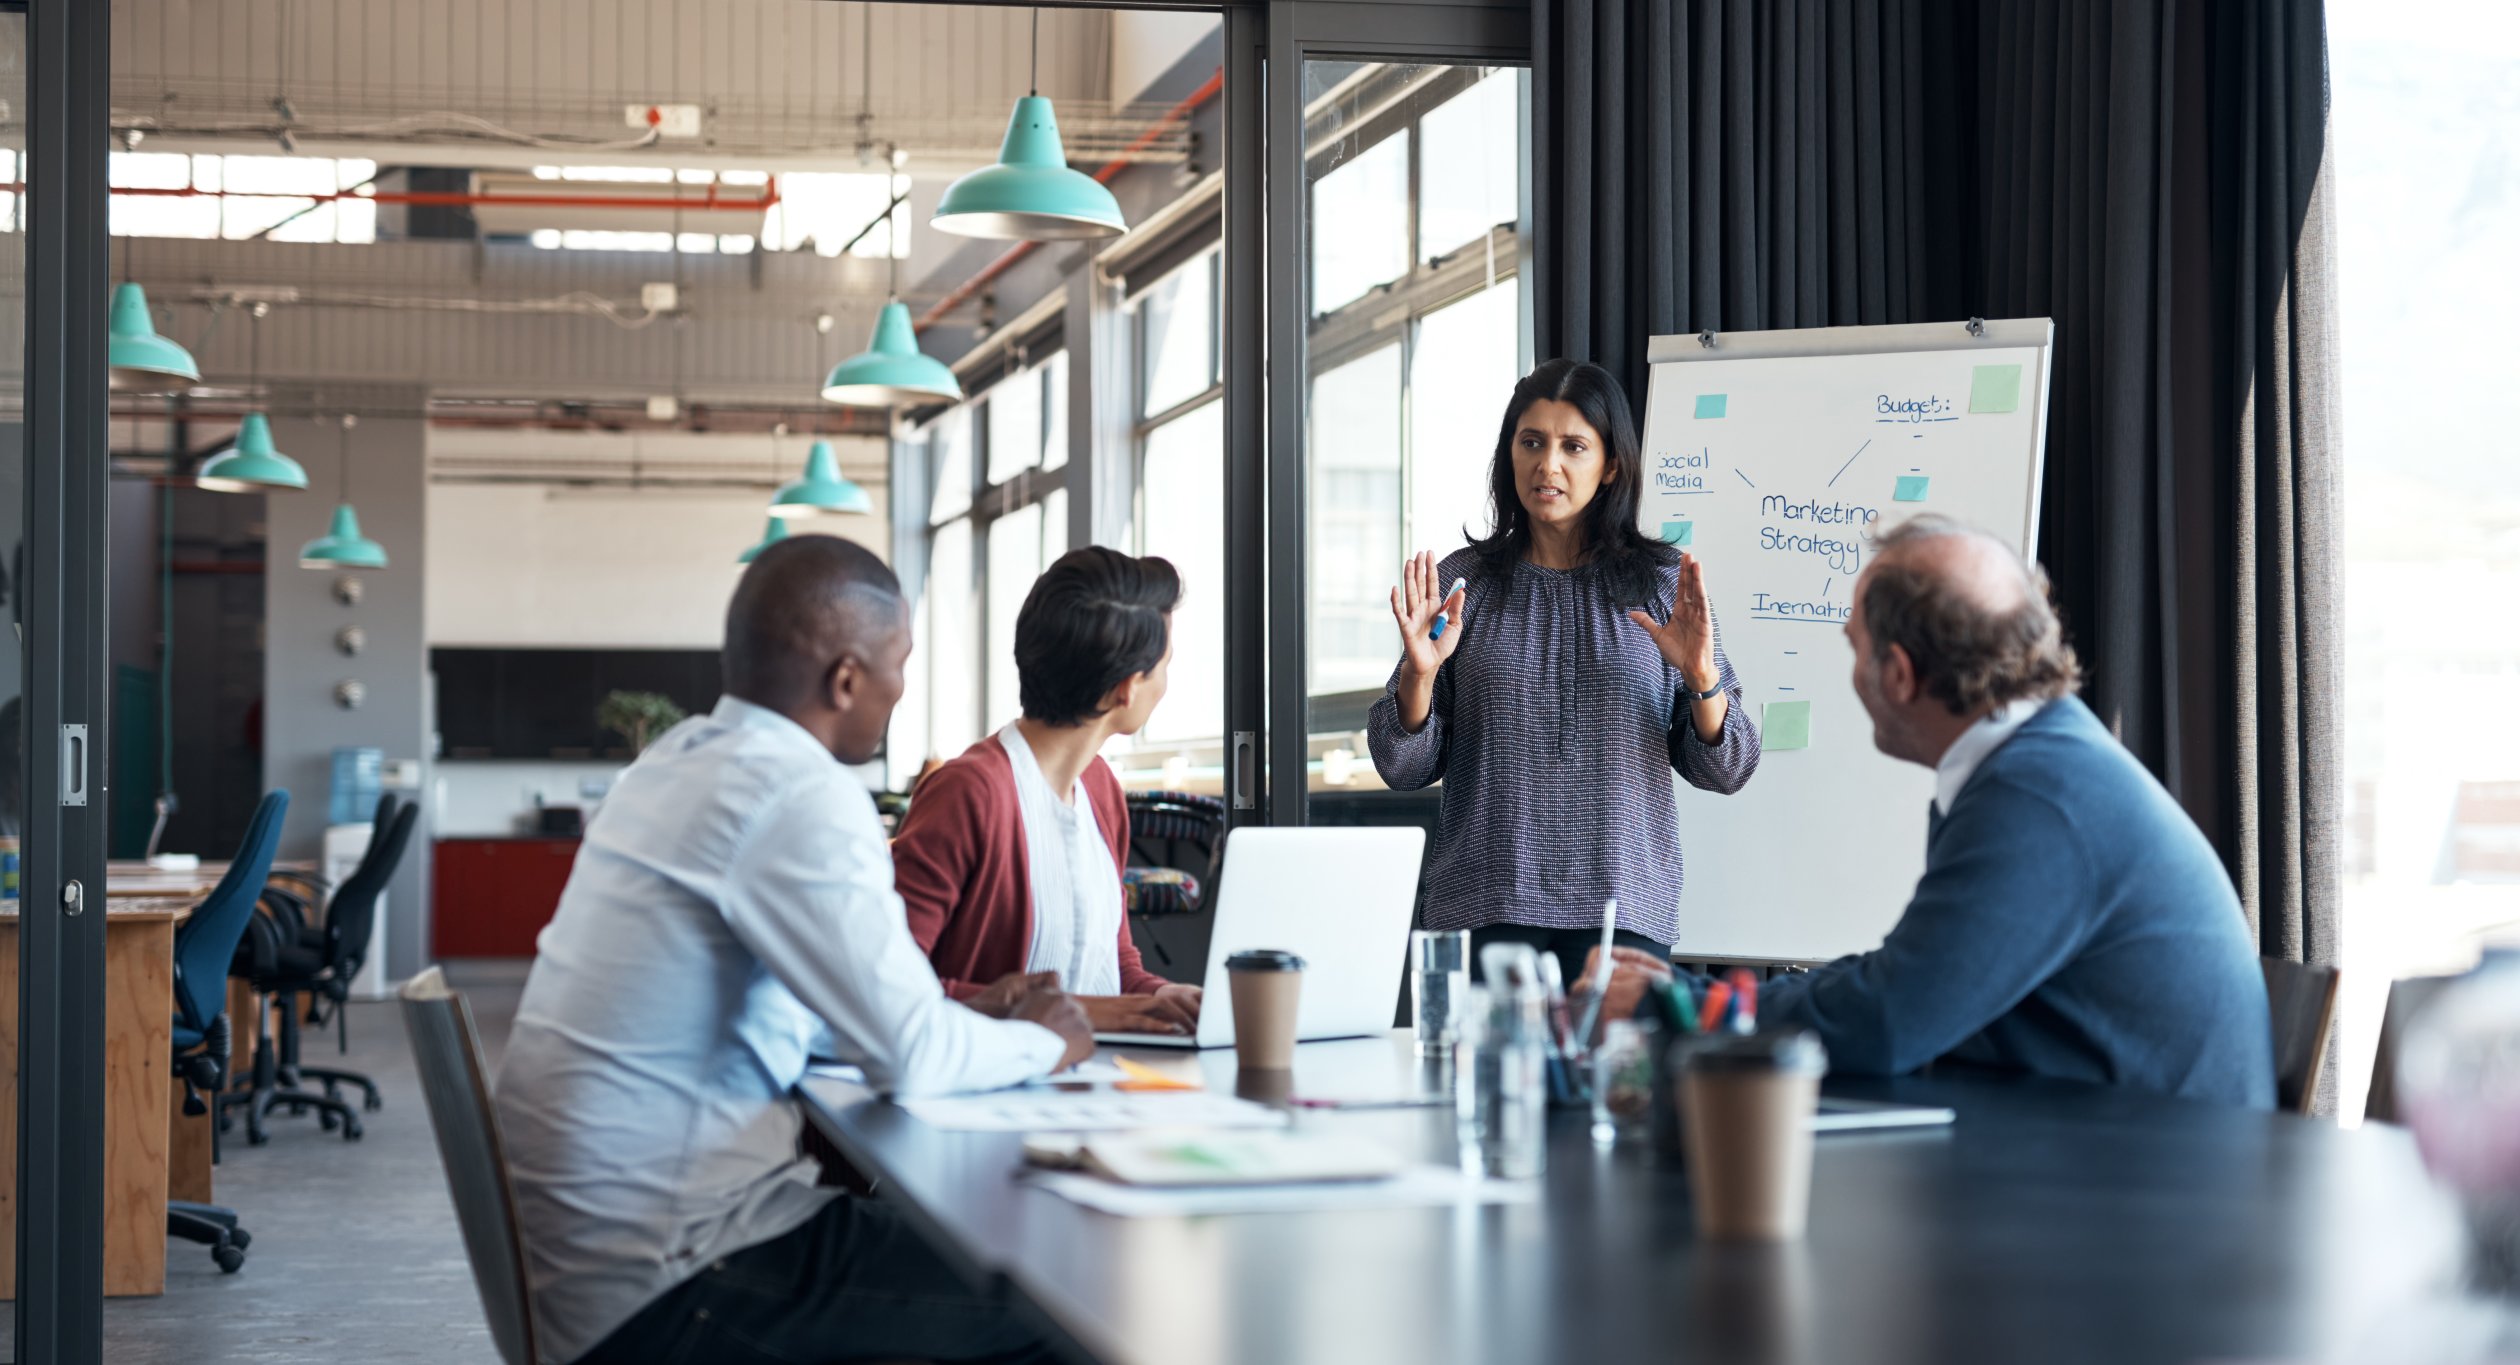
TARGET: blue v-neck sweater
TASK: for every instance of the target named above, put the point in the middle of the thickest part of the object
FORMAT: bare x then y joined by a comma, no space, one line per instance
2071,922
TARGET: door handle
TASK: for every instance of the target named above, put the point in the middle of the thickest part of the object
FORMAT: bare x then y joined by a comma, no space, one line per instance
1246,769
74,760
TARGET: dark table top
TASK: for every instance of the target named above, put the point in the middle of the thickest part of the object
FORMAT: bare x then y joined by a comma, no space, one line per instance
2052,1222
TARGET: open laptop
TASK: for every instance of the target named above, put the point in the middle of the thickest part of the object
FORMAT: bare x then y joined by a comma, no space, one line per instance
1339,898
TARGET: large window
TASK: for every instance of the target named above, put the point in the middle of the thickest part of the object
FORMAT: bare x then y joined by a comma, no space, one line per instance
2428,208
1180,512
998,516
1416,342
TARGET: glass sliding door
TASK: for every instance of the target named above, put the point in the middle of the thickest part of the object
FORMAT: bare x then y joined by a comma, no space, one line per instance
1413,333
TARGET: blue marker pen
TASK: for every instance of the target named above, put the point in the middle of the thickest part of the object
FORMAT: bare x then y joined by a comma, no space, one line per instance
1443,619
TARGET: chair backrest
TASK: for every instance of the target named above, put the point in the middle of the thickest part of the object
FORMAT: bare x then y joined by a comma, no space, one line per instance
353,908
2301,1009
457,1088
206,943
2407,997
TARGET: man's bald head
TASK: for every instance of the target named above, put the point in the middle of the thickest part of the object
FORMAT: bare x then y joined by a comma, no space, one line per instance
806,605
1972,617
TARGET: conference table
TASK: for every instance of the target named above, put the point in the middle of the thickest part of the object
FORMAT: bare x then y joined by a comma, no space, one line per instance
2051,1222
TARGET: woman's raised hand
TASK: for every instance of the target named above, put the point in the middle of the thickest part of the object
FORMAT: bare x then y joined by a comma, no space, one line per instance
1687,640
1415,604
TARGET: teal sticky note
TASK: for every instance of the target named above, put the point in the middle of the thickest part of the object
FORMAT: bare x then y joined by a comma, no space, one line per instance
1911,488
1679,532
1710,405
1993,388
1785,725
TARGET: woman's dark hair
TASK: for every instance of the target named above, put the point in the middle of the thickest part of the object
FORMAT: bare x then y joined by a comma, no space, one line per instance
1092,620
1627,557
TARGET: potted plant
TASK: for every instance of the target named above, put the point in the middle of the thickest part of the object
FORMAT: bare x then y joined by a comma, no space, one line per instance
638,716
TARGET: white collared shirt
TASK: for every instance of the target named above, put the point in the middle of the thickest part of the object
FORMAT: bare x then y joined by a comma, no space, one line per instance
1076,903
731,908
1960,761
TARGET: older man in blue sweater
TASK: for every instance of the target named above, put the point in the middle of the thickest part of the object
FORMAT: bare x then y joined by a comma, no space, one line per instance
2071,921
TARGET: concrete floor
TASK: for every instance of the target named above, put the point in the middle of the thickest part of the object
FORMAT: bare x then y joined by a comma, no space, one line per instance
356,1256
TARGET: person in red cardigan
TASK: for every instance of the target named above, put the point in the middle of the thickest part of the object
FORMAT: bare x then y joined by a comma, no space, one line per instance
1009,859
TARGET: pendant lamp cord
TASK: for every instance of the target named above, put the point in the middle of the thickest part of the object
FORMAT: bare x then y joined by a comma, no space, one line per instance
347,421
166,607
1036,50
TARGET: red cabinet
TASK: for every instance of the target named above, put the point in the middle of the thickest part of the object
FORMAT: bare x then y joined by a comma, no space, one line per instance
492,896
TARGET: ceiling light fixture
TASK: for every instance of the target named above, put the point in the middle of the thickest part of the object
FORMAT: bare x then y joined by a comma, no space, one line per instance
1031,194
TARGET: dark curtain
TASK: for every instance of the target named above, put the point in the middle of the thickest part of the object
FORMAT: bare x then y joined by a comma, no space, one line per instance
1741,165
2150,174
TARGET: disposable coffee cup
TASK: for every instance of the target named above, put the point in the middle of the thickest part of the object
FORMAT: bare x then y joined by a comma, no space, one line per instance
1267,983
1745,1116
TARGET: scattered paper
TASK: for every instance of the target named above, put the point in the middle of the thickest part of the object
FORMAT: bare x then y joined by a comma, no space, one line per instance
1036,1110
1710,405
1910,488
1785,725
1416,1187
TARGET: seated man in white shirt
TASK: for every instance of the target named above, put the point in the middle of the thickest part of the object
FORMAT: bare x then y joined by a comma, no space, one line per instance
732,907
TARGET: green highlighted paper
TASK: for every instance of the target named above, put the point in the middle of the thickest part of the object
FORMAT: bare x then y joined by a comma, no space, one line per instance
1679,532
1785,725
1710,405
1911,488
1992,388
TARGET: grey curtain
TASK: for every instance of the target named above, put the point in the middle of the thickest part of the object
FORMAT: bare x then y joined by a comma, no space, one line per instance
2149,173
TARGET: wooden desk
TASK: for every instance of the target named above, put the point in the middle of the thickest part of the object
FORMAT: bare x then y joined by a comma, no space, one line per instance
2054,1222
139,1043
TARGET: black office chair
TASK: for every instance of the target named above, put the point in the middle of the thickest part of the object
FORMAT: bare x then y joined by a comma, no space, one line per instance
285,957
1175,842
204,945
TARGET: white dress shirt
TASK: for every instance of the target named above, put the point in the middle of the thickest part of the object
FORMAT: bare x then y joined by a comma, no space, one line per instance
731,908
1076,900
1960,761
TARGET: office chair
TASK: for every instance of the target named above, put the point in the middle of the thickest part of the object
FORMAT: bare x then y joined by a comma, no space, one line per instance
285,957
204,945
1174,842
457,1089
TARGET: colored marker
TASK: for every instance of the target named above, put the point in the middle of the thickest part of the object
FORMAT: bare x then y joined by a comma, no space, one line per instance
1718,996
1443,619
1745,991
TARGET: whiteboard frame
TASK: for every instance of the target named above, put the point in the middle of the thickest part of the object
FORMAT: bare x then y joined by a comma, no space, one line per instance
2037,335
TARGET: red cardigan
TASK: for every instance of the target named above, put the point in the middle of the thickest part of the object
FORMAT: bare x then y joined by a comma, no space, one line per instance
963,871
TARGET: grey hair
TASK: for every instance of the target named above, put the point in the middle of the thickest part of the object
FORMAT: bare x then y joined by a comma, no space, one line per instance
1966,656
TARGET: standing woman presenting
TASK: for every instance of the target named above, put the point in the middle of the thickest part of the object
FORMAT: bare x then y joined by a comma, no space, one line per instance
1576,670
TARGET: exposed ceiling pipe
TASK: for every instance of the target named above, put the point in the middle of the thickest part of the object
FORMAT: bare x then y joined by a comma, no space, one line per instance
768,199
1190,104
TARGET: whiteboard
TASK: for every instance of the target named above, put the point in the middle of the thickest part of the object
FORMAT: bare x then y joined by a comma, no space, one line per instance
1773,457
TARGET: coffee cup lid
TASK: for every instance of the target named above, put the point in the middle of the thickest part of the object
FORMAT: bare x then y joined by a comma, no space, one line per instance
1795,1051
1264,960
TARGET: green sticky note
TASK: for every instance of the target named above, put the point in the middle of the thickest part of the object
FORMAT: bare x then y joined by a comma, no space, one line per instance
1911,488
1785,725
1679,532
1992,388
1712,404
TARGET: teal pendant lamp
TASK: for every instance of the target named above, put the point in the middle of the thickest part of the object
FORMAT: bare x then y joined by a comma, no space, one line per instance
252,465
141,361
345,547
822,489
892,371
771,535
1030,195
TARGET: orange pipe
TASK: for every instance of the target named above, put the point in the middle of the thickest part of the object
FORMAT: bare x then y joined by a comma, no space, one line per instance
1189,104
